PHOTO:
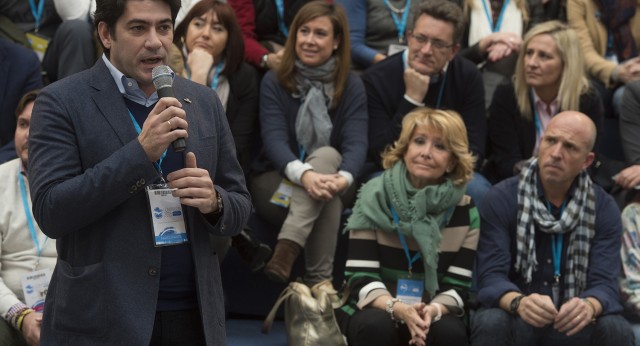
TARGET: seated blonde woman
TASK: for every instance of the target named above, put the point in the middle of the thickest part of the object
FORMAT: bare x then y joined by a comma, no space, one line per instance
412,241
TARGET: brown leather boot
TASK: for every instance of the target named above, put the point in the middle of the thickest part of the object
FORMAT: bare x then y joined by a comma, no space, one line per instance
279,266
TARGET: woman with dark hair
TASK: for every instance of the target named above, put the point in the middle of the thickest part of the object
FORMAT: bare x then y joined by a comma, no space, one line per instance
313,118
213,52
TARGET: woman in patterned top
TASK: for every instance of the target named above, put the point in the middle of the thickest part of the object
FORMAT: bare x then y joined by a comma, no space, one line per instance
412,241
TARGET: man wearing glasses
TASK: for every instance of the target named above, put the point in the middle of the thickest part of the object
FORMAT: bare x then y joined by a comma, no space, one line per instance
428,73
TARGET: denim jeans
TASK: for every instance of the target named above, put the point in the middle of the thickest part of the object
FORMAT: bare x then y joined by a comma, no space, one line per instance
496,327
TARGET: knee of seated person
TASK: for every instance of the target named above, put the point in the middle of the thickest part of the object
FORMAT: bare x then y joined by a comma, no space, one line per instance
477,188
75,29
372,324
325,156
492,321
613,327
451,330
327,152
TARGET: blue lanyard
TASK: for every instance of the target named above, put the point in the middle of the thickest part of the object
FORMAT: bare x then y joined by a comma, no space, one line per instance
138,129
302,152
27,211
37,13
610,41
280,8
495,28
216,76
401,24
410,259
444,79
536,118
556,246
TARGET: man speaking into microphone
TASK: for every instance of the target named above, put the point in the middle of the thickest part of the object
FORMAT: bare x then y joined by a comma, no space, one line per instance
131,215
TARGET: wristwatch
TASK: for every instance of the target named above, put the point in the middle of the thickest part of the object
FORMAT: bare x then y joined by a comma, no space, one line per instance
515,303
264,62
219,202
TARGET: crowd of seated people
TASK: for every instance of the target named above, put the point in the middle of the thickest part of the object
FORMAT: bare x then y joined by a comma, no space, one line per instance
324,98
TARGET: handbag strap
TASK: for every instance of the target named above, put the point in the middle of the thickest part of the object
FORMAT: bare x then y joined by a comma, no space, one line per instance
337,300
266,325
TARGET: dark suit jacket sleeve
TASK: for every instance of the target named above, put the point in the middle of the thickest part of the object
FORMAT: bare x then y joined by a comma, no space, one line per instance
68,195
384,83
242,112
21,73
353,134
226,174
276,105
630,122
467,98
507,131
498,222
591,105
604,255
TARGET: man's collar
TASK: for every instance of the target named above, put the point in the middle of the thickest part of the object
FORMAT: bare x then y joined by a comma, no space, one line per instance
128,87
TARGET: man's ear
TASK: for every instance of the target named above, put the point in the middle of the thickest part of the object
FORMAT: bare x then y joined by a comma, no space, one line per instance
589,160
104,35
454,50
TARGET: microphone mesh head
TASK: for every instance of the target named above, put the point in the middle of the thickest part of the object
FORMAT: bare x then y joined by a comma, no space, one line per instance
162,76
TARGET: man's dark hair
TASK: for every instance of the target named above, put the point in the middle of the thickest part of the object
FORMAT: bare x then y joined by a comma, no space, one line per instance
109,11
445,10
25,100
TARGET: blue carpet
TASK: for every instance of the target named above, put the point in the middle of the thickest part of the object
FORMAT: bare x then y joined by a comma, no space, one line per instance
241,332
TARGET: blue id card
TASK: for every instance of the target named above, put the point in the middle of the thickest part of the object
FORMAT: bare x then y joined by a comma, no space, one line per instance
410,291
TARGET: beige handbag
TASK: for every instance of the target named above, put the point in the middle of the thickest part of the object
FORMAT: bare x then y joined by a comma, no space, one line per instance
308,315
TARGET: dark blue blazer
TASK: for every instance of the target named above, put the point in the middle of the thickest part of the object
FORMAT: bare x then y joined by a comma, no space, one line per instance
88,173
20,71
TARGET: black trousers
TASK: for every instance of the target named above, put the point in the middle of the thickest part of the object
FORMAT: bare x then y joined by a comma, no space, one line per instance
374,327
177,328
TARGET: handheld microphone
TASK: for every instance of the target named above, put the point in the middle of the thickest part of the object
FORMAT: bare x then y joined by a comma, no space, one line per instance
162,78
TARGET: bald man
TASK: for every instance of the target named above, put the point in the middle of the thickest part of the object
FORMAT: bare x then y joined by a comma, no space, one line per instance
548,255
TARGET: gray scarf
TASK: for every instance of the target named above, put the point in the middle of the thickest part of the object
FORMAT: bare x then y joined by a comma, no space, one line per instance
315,88
578,219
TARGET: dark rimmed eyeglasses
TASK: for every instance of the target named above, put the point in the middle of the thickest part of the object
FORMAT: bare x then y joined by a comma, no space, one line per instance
435,43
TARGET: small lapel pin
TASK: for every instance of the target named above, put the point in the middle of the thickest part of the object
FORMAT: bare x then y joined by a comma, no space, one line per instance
186,99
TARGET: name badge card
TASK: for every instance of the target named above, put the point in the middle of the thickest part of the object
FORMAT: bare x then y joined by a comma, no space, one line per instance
167,216
410,291
282,196
395,48
35,286
38,44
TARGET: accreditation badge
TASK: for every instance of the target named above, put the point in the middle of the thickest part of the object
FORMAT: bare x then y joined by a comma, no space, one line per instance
282,196
410,290
38,43
167,216
35,286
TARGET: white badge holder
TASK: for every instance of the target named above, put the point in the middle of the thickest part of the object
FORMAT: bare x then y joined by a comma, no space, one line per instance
167,216
34,286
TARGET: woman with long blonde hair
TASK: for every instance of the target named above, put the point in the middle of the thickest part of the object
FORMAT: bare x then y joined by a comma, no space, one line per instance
549,78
